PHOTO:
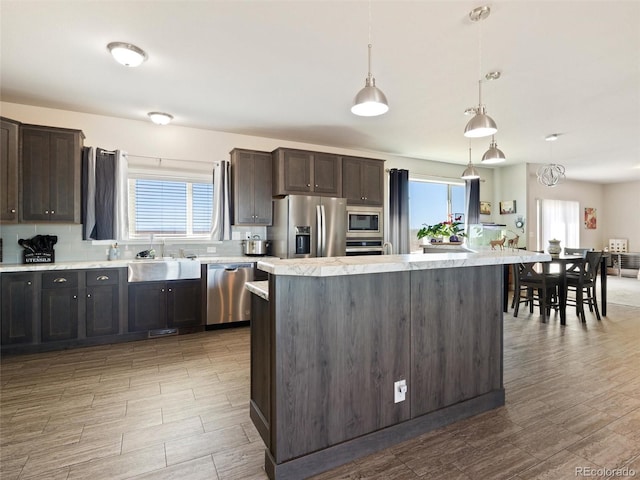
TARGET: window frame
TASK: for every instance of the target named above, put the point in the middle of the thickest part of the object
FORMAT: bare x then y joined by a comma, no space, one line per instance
170,176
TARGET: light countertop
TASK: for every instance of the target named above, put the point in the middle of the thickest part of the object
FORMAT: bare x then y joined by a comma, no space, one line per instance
260,288
360,265
99,264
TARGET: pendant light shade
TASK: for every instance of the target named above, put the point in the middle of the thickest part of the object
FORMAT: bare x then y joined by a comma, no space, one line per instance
127,54
481,125
494,154
370,101
470,173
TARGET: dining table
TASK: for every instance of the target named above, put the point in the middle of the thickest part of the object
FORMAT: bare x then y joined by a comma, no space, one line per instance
564,261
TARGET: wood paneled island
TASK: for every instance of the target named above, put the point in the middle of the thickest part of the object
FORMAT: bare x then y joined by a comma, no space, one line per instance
331,336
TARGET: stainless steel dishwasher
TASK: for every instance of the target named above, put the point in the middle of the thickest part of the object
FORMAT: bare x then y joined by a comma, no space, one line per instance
227,299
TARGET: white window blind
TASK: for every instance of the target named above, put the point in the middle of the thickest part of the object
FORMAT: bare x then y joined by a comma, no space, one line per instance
172,207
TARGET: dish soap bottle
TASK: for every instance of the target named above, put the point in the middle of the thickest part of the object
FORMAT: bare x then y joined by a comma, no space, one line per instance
114,252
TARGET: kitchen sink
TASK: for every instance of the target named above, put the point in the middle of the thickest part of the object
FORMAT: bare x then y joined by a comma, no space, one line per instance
165,269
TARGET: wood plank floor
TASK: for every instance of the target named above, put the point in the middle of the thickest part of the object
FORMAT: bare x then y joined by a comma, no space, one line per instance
177,408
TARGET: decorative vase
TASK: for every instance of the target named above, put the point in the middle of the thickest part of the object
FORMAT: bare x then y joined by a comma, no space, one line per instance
454,239
554,247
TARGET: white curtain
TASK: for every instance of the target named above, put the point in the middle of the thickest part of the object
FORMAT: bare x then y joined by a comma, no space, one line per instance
560,220
221,221
121,210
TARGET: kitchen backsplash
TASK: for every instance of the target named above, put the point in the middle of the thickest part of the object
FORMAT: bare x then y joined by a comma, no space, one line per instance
71,247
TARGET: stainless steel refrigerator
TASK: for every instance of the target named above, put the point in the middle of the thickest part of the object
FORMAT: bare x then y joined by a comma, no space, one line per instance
307,226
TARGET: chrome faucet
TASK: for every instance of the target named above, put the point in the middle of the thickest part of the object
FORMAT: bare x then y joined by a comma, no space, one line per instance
384,248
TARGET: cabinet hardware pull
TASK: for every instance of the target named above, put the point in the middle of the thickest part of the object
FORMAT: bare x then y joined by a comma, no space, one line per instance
28,283
169,289
162,289
60,280
46,212
102,277
13,210
308,184
88,295
75,296
52,212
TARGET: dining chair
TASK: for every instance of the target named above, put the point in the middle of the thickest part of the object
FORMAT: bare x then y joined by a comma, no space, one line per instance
581,280
576,251
540,289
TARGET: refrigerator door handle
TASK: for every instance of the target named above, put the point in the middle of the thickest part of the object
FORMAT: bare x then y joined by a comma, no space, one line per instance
319,227
324,231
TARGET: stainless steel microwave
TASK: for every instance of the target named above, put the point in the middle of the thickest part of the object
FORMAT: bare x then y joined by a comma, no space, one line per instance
364,222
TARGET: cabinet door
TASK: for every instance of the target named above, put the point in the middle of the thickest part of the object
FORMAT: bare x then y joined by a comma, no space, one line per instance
147,306
351,181
50,174
9,172
59,314
35,175
64,189
183,303
262,189
327,175
372,174
19,300
244,190
102,302
296,168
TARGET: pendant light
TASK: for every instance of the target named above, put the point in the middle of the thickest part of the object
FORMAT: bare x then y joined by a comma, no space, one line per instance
470,173
481,125
551,174
494,154
370,101
127,54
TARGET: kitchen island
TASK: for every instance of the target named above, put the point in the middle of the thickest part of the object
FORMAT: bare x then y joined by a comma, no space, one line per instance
331,337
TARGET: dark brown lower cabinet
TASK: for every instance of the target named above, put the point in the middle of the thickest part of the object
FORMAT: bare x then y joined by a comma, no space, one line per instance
19,307
60,305
183,303
103,302
157,305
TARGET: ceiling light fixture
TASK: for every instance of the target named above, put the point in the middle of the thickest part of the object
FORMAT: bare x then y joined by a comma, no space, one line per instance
160,118
370,101
481,125
470,173
494,154
551,174
127,54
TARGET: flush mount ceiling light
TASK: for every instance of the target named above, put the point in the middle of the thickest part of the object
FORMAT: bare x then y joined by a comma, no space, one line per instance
470,173
160,118
127,54
552,137
370,101
481,125
494,154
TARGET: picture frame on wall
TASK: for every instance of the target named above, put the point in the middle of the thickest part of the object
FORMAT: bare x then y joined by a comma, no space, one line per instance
485,208
507,207
590,218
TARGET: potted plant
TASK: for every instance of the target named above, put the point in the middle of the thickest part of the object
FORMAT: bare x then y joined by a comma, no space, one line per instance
438,231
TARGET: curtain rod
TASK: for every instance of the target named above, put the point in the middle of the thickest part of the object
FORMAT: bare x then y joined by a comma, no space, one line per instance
426,175
170,159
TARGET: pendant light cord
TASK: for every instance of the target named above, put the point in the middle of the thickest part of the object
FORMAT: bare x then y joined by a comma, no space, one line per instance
370,43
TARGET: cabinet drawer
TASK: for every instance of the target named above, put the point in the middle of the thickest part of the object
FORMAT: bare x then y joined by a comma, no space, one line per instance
103,277
60,279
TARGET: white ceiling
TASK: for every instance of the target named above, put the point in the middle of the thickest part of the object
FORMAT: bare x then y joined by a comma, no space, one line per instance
290,70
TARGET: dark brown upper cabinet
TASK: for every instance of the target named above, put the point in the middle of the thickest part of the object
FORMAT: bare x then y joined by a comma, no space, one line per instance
363,181
9,156
251,172
50,174
300,172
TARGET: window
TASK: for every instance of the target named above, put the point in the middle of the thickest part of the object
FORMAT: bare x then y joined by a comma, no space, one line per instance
432,202
560,220
172,207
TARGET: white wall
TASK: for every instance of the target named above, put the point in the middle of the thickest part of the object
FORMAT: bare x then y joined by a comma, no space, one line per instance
511,184
621,213
585,193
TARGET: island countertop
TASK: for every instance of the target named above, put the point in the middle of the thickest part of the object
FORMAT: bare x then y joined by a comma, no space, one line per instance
361,265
